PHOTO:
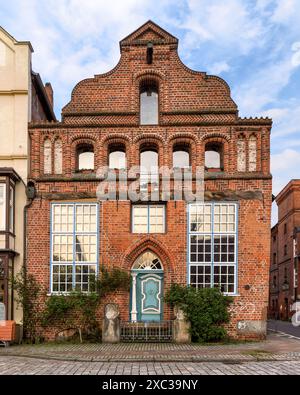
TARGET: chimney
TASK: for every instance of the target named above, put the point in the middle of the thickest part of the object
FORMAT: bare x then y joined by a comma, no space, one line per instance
49,91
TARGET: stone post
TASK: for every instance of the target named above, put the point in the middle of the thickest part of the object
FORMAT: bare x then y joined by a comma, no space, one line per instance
133,298
181,327
111,329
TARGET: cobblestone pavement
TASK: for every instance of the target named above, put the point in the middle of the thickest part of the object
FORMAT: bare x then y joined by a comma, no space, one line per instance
277,347
28,366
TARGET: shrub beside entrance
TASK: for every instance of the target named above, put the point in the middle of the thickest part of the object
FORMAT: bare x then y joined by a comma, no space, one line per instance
206,309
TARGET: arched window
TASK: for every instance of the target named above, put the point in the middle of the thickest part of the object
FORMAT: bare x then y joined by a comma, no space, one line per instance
58,157
181,157
147,261
149,103
149,166
252,153
85,157
117,157
47,156
241,153
214,156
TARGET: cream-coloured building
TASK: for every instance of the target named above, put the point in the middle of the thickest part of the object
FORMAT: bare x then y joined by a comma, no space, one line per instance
23,98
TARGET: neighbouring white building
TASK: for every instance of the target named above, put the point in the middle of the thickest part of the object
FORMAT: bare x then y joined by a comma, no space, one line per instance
23,98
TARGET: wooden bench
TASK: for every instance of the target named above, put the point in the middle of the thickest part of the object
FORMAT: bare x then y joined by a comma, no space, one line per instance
7,332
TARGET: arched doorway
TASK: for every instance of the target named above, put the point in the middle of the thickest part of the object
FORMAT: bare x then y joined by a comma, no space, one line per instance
147,288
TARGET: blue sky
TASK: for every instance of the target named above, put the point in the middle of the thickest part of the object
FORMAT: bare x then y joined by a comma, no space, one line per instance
253,44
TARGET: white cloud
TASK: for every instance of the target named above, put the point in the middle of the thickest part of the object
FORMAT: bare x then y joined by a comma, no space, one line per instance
284,10
266,84
73,39
218,67
285,166
285,160
228,24
296,55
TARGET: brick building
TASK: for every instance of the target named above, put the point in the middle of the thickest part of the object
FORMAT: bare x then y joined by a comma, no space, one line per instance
151,109
285,253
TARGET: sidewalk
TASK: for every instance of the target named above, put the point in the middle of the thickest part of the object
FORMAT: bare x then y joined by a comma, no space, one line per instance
275,348
284,327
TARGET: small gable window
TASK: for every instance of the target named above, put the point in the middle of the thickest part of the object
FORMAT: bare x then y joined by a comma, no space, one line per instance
149,103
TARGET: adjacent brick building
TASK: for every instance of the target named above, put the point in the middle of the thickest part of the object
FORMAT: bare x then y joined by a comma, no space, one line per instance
152,109
285,253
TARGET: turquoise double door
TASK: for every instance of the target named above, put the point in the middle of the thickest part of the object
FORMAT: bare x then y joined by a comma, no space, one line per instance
149,295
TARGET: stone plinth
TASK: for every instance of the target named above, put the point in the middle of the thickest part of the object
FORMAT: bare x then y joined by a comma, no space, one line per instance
111,324
181,327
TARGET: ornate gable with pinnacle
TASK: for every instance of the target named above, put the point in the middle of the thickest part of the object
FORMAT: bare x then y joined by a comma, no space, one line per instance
149,32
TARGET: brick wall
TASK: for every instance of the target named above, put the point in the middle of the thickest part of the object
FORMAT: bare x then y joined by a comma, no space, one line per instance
194,109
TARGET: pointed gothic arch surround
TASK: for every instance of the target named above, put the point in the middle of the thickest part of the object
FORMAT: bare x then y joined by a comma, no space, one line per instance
148,244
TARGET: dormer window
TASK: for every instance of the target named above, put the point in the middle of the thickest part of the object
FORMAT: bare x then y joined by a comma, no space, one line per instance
149,103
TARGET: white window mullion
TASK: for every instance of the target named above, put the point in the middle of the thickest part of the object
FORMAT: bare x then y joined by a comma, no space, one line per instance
71,221
148,219
2,206
221,230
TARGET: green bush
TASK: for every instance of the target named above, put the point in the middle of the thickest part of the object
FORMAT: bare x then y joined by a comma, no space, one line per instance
206,309
27,291
75,310
79,309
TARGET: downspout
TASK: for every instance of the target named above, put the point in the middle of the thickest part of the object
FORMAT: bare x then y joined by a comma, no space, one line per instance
25,211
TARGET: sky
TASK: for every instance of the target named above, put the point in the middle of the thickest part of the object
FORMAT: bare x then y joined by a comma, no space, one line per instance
253,44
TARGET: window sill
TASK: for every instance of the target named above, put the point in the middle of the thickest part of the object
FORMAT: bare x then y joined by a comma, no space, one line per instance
49,294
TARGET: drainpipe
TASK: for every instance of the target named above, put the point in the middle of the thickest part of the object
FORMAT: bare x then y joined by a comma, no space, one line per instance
30,193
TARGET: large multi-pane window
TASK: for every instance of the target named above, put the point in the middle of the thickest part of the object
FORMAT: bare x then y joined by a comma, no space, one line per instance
74,251
213,244
2,206
148,218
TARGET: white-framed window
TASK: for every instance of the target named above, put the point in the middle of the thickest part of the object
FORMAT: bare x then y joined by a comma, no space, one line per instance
2,206
148,218
74,246
296,275
11,209
213,246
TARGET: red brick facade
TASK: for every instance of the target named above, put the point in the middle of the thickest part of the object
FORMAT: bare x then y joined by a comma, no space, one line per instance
285,253
194,109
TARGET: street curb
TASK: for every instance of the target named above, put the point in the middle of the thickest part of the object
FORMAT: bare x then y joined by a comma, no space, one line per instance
284,333
229,361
